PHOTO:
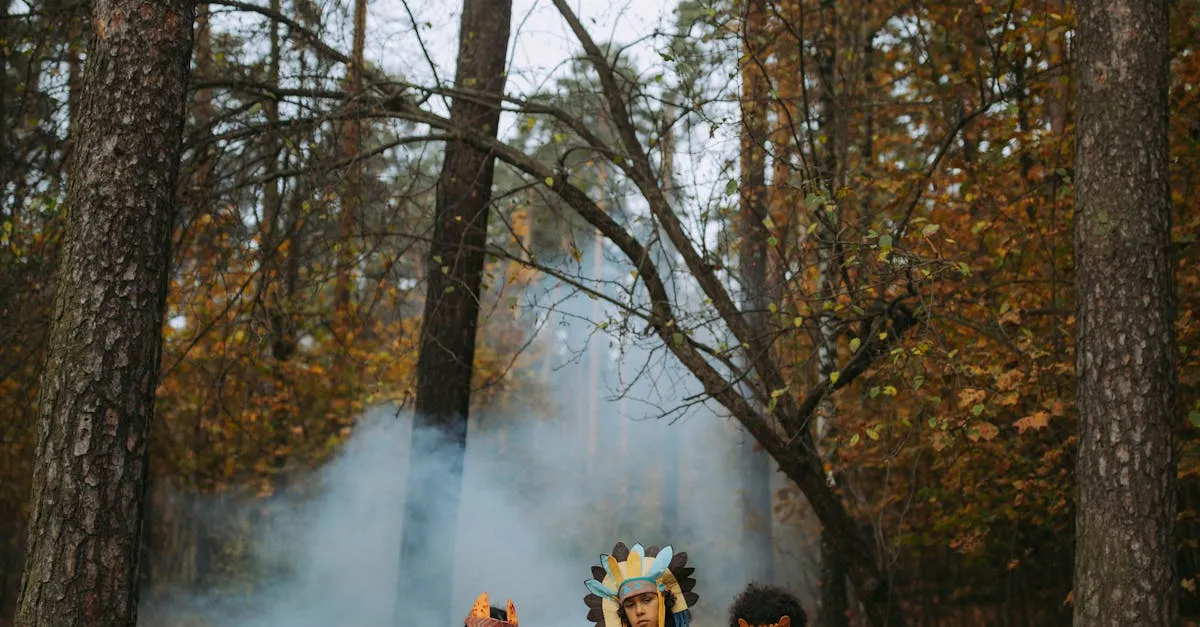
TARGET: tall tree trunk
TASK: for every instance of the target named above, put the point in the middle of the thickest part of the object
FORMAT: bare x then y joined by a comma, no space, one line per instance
753,252
445,363
833,606
1125,336
672,445
351,147
97,394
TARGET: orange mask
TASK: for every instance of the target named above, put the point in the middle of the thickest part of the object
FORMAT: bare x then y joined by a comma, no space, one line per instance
480,615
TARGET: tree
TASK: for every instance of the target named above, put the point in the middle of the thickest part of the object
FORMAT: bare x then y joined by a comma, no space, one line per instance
97,395
758,270
456,264
1125,335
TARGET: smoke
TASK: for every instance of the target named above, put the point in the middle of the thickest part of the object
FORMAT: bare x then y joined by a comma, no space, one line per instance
545,490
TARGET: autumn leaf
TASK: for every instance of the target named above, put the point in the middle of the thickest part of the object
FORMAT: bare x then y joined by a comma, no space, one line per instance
1036,421
969,397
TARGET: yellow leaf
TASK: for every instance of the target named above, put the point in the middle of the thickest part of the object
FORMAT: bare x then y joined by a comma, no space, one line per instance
1036,421
970,396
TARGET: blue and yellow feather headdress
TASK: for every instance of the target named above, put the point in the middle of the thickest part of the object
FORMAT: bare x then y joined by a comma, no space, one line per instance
627,572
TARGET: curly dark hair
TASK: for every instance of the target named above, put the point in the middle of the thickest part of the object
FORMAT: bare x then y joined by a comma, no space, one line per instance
668,600
760,604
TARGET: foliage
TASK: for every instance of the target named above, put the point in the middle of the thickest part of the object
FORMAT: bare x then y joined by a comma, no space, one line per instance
929,145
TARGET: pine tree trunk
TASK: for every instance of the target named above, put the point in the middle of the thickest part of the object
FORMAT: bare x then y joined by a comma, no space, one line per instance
1125,339
445,363
97,393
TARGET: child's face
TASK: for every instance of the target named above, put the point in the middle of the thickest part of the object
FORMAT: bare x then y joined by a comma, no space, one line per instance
642,609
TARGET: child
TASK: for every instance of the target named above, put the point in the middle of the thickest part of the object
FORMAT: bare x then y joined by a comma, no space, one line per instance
766,606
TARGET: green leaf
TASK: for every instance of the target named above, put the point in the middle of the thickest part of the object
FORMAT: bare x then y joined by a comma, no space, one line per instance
917,382
873,392
855,343
797,322
549,181
833,376
780,392
772,242
885,242
731,187
977,409
677,338
890,390
929,229
1194,417
854,439
872,433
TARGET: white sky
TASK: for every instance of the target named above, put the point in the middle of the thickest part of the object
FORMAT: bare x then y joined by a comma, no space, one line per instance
541,43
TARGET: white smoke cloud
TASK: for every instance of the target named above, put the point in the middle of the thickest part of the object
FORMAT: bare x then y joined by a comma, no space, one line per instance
544,492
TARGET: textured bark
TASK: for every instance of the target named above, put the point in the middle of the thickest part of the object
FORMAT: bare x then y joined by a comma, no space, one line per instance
833,605
753,252
445,363
97,392
1125,340
351,147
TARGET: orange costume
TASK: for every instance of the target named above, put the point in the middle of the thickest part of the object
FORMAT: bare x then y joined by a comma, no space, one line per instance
484,615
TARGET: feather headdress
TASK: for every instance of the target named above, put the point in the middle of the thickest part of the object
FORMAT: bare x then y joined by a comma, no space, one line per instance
629,571
481,614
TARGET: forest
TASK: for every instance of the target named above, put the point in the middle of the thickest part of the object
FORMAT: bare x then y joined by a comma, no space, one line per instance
340,313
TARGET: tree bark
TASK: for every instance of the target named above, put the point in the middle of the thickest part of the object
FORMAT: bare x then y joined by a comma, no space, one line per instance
1125,338
97,393
753,253
445,363
352,188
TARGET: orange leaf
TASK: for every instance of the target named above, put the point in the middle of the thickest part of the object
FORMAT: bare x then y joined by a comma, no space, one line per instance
970,396
1039,420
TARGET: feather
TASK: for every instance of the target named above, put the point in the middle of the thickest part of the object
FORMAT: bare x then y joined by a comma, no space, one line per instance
512,613
592,601
606,562
598,572
620,551
598,589
633,565
660,564
614,569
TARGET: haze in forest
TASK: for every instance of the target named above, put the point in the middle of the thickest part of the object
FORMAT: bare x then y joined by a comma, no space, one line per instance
535,514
